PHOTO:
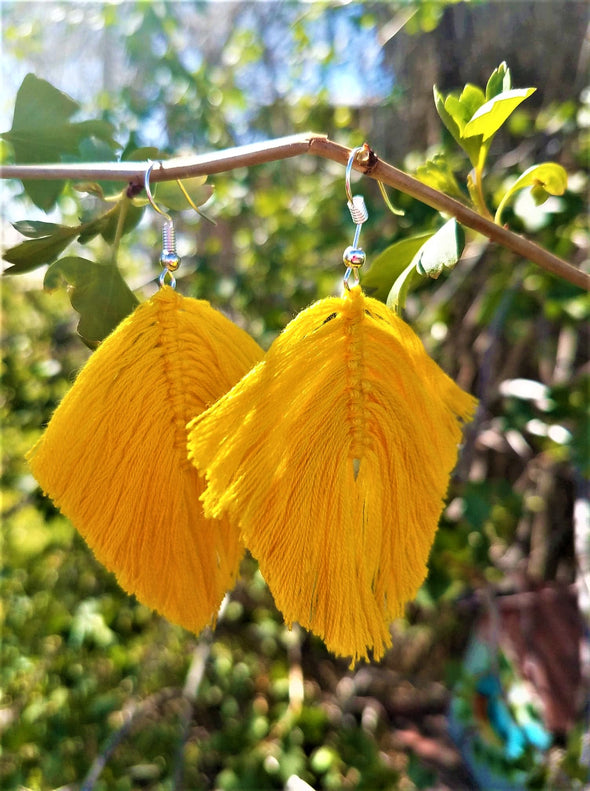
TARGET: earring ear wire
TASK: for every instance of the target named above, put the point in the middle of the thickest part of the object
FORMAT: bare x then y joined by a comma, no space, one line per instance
169,258
354,256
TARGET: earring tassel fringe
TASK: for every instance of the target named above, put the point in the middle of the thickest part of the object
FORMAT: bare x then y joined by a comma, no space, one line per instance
334,455
113,457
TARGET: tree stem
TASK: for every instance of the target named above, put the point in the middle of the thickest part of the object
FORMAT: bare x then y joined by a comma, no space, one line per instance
294,145
123,209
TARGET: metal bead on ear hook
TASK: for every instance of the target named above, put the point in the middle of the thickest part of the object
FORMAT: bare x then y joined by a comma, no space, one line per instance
169,258
354,256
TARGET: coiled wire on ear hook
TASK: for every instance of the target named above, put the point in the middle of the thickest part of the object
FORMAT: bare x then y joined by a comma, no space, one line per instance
169,258
354,256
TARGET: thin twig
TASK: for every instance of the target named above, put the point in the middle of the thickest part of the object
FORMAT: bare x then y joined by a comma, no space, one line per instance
190,694
170,169
131,713
294,145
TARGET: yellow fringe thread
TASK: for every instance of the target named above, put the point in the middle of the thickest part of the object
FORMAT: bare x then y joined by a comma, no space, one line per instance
334,455
113,457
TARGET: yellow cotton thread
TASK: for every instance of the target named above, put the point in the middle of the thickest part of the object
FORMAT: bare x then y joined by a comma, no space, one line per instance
334,454
113,457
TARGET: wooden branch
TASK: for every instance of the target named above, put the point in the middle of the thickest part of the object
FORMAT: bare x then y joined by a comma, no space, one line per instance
382,171
170,169
294,145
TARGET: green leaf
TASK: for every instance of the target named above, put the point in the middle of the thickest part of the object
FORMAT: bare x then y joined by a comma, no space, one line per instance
471,99
170,195
490,116
547,178
96,145
462,108
92,226
396,299
441,251
38,104
389,265
445,116
93,150
548,175
456,111
106,224
42,132
47,241
35,252
437,173
90,188
34,229
90,229
539,194
500,80
98,293
143,154
43,194
110,220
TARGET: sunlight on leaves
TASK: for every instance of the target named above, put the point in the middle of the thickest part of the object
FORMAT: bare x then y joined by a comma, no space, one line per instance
389,265
396,299
547,178
88,624
456,111
490,116
440,251
437,173
500,81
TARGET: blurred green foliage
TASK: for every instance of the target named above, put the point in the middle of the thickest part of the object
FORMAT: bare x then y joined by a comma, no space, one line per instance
87,672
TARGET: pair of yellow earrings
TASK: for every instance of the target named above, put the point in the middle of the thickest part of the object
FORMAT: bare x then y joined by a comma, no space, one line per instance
181,444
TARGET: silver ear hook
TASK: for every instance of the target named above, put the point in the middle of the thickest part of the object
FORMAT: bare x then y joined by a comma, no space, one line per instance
169,258
354,256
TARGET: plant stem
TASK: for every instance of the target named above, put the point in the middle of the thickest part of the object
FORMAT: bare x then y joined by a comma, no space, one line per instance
501,206
317,145
481,163
481,201
124,208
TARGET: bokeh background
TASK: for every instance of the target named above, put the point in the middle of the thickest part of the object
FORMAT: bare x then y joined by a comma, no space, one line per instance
486,685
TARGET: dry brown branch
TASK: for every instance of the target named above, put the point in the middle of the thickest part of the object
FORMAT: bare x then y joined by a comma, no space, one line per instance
294,145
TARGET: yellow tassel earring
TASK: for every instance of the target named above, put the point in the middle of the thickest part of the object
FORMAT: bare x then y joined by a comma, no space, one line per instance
334,455
113,457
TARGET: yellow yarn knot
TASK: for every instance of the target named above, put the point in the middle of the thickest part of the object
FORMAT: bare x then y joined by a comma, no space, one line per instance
353,311
172,342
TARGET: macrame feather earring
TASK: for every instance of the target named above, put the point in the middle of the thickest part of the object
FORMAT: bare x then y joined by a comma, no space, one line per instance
334,455
113,457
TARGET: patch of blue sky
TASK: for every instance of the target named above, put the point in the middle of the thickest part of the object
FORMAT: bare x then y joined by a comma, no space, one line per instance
342,61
